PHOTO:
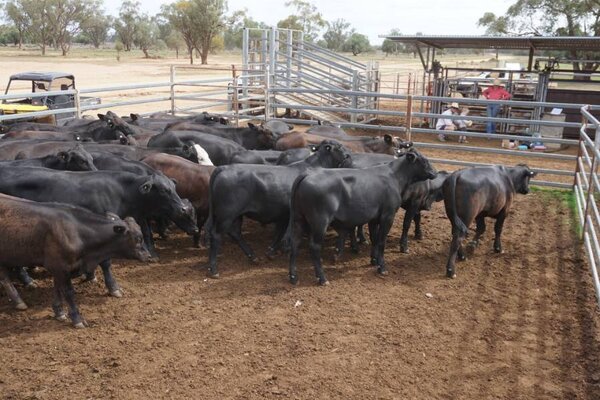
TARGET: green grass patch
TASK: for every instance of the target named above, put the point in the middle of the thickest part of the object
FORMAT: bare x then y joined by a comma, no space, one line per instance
563,198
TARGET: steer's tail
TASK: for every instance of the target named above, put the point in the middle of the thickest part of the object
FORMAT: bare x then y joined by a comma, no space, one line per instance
289,233
208,226
458,225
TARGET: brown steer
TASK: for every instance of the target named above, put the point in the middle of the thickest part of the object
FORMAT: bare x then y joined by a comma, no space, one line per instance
191,182
63,239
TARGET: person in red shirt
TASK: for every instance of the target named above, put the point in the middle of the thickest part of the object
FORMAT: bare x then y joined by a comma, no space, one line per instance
495,92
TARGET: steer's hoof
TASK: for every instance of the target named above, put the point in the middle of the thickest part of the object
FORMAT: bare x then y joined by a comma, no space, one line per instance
21,306
271,255
80,325
61,317
374,261
461,257
214,275
31,285
498,250
451,274
418,236
404,249
323,282
294,279
382,273
153,259
255,260
117,293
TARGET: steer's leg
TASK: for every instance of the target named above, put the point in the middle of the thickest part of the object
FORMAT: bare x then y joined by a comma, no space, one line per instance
69,293
57,302
417,219
215,244
200,221
295,239
25,278
384,229
10,290
409,215
480,221
373,231
353,240
280,228
236,234
109,279
340,242
315,245
148,240
455,245
498,231
360,232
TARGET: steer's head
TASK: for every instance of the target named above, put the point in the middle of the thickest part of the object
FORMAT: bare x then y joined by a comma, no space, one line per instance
77,159
417,166
159,195
116,123
128,237
266,138
333,155
520,176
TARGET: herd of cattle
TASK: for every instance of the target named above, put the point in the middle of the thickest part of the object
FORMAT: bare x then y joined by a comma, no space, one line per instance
73,197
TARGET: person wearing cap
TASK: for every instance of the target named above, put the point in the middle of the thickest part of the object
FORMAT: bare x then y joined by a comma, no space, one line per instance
494,92
447,124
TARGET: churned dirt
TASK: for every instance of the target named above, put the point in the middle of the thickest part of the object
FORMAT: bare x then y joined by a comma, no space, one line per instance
520,325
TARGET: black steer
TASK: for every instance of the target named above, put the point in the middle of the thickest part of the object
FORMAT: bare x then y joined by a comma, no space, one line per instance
262,193
346,198
122,193
75,159
475,193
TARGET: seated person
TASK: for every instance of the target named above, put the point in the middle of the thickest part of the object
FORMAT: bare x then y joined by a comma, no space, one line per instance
447,124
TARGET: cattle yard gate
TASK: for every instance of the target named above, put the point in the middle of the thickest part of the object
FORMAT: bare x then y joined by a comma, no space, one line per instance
284,77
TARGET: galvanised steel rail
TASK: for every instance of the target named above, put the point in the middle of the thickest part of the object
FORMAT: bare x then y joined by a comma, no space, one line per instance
586,187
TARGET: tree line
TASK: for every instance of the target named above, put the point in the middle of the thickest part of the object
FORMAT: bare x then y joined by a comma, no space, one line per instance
196,27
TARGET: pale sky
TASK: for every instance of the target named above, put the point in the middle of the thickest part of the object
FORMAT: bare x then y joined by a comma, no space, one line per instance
374,17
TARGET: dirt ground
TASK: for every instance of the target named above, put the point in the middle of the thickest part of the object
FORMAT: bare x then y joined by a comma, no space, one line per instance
520,325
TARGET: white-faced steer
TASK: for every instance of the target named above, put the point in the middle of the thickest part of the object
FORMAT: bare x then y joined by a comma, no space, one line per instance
63,239
262,193
346,198
475,193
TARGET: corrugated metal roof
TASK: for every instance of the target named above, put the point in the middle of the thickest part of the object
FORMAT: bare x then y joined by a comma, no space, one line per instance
503,42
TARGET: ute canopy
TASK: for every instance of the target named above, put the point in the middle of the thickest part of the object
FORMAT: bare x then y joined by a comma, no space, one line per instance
41,76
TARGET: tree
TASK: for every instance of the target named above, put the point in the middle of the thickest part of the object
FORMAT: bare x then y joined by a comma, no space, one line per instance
337,33
392,47
307,17
291,22
357,43
8,34
125,25
234,28
175,42
146,35
550,18
66,17
14,13
198,21
95,29
39,29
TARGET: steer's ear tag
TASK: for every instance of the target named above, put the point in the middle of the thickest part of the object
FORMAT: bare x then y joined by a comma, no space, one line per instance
313,148
119,229
328,148
145,188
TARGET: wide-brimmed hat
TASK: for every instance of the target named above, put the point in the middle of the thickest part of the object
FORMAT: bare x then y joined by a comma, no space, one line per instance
454,105
497,82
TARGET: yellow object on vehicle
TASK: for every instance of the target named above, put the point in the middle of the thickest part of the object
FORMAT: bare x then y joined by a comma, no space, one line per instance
20,108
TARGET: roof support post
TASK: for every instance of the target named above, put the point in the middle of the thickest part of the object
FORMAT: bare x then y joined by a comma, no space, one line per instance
530,62
421,56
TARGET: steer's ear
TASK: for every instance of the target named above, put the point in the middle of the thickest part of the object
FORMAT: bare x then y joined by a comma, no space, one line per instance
174,180
252,126
63,155
146,187
134,117
224,121
388,139
119,229
411,157
101,117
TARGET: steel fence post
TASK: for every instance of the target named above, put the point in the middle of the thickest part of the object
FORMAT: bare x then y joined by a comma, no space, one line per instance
172,89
